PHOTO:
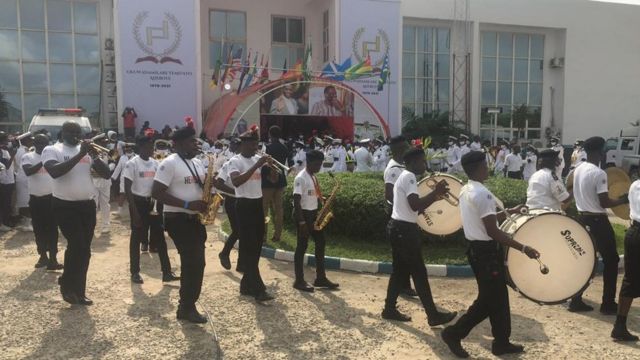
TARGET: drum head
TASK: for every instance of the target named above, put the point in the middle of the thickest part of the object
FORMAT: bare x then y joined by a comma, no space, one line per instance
441,218
565,247
619,184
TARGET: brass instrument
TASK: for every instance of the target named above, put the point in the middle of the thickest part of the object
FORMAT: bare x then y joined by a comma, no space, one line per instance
160,156
213,200
274,164
325,214
448,197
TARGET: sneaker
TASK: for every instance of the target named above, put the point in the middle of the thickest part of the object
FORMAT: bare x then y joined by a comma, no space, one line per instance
42,262
191,315
453,343
440,318
394,314
303,286
620,333
508,348
264,296
325,283
579,306
609,308
224,261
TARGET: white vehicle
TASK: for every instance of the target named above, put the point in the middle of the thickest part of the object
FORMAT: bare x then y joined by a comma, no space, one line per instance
51,120
627,152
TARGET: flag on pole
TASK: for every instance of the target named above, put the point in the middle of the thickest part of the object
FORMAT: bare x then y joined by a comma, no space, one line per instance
336,71
226,66
256,79
384,73
236,65
284,69
296,72
245,70
359,70
216,75
307,65
252,72
264,76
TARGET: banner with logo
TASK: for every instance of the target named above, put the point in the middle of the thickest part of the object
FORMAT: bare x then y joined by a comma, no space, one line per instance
157,60
371,28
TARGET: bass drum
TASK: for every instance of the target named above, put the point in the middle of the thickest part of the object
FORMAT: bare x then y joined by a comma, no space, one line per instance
565,246
441,218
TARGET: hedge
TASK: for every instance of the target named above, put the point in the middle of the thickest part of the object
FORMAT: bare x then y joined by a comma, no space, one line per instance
359,209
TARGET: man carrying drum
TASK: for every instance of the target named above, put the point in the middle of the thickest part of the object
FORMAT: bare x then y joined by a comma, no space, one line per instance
545,190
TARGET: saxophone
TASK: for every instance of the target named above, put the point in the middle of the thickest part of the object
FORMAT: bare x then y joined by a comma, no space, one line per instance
325,215
213,200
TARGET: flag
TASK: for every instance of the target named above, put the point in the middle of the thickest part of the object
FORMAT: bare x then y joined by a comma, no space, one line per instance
245,70
284,69
236,65
252,72
226,66
295,72
256,79
359,70
307,65
384,73
264,76
336,71
216,75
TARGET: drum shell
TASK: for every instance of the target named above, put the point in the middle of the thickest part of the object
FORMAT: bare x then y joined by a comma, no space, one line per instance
441,218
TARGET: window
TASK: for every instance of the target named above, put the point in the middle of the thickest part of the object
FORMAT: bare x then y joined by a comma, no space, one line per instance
325,36
426,69
511,77
287,41
627,144
227,29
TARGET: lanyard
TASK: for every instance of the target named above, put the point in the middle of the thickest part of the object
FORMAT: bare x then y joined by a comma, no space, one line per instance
317,187
193,172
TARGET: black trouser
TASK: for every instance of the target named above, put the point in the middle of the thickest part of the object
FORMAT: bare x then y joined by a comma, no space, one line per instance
605,238
189,235
140,234
514,174
156,228
6,195
406,281
77,221
630,286
230,209
487,262
44,224
251,231
406,247
303,241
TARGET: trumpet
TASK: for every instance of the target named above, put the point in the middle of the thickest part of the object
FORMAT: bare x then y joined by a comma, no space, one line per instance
274,164
449,196
95,147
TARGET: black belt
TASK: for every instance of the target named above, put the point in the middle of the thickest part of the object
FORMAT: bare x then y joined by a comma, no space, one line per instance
146,198
180,215
586,213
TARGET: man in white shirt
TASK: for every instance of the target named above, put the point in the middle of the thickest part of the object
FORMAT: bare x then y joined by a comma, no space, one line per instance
7,182
178,184
224,186
138,174
306,197
69,163
284,104
339,157
486,257
330,106
591,192
453,155
500,158
475,145
513,164
103,192
545,189
22,187
246,176
630,287
405,237
41,206
530,163
363,157
555,145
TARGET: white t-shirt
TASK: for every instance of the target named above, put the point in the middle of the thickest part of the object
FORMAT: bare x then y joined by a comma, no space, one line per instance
303,185
589,181
252,188
404,186
121,163
75,185
141,174
529,166
40,183
7,176
545,191
20,175
634,200
181,183
513,162
392,172
364,160
223,174
476,203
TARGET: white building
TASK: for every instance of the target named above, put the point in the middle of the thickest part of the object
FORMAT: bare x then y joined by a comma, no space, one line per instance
574,63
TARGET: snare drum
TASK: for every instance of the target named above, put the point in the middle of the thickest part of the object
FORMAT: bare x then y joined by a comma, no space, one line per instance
565,246
441,218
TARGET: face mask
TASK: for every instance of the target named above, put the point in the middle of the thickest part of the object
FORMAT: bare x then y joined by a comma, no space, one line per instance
461,143
217,151
450,143
129,153
529,153
503,147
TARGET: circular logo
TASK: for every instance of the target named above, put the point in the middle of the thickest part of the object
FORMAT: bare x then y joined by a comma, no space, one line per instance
377,47
157,40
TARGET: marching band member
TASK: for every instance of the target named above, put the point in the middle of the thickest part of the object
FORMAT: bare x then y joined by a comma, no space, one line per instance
178,184
630,287
306,196
555,145
406,243
500,158
453,155
224,185
399,146
299,157
486,240
22,188
69,163
139,173
464,148
339,157
41,206
272,193
579,155
245,170
7,181
530,163
513,164
545,189
380,158
590,190
102,191
475,145
363,157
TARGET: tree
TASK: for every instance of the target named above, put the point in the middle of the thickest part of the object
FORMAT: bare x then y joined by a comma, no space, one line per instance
435,125
4,107
520,116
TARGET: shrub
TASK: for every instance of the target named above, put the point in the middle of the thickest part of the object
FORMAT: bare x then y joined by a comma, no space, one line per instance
359,209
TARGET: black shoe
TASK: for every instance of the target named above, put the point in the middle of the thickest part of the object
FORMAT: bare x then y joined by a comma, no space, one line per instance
83,300
409,292
191,315
508,348
54,265
144,247
440,318
246,293
224,261
42,262
69,296
264,296
453,343
325,283
609,308
620,333
394,314
240,269
137,279
168,277
579,306
303,286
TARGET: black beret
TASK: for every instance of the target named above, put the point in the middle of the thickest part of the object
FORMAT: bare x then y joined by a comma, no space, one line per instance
315,155
183,133
472,157
143,139
595,143
412,153
548,154
250,135
397,140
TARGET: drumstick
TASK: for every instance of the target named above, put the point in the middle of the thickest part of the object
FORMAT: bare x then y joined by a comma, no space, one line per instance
544,269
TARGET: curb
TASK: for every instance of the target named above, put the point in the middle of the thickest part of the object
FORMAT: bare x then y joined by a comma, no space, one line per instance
374,267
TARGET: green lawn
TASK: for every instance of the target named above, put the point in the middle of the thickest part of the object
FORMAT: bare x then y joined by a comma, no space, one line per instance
338,246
